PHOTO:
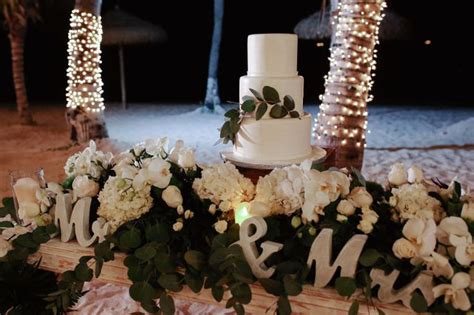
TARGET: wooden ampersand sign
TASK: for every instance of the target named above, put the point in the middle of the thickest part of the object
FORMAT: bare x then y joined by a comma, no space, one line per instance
75,221
252,230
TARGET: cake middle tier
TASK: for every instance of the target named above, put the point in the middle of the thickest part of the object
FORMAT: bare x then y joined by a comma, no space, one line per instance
292,86
274,139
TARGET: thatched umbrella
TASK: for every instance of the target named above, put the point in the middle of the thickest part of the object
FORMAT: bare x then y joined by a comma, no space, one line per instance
122,28
315,26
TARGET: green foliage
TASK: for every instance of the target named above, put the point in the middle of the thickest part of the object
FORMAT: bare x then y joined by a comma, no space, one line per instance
345,286
257,103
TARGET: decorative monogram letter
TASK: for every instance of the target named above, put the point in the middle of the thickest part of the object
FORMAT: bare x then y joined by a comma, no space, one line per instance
75,222
386,294
252,230
321,254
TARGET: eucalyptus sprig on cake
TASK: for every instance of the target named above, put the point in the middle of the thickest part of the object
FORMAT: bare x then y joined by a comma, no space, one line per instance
258,103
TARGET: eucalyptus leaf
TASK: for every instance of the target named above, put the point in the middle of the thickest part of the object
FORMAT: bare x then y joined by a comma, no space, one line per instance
418,303
272,286
145,253
278,111
294,114
270,95
354,309
195,259
261,110
284,307
83,273
369,257
170,282
239,309
289,102
234,127
194,281
345,286
6,224
257,94
225,130
164,263
167,304
248,106
292,287
99,263
217,293
142,291
232,113
241,293
130,239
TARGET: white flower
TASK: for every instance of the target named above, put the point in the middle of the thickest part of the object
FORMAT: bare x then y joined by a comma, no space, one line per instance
124,169
455,293
397,175
403,248
421,233
223,182
174,154
180,209
468,211
43,198
220,226
225,206
172,196
212,209
28,210
360,197
188,214
259,209
120,202
5,246
178,226
183,156
157,147
320,189
138,149
54,188
341,218
412,200
159,173
346,208
415,174
82,187
88,162
365,226
453,231
16,230
439,265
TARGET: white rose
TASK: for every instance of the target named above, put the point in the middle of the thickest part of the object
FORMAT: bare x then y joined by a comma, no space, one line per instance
172,196
84,187
5,246
365,226
188,214
225,206
178,226
341,218
360,197
468,211
220,226
260,209
174,154
415,174
403,248
28,210
212,209
158,173
186,159
346,208
397,175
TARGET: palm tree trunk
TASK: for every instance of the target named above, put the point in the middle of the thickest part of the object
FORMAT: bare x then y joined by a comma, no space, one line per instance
86,125
17,41
212,93
342,120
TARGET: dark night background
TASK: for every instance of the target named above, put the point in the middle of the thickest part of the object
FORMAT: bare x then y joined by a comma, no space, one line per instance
408,72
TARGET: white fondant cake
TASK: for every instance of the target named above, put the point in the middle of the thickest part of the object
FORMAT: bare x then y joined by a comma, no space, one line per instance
272,61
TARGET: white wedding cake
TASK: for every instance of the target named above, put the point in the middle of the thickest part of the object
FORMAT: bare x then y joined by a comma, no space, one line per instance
272,61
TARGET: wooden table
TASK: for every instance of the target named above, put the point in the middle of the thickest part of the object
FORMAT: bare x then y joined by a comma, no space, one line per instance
59,257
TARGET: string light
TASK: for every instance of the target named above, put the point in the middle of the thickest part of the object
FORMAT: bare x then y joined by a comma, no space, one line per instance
84,73
350,78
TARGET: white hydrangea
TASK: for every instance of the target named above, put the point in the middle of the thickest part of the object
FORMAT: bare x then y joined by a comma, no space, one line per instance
282,190
88,162
223,182
412,200
120,202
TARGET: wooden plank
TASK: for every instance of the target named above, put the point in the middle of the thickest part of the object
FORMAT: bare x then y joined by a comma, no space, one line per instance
59,257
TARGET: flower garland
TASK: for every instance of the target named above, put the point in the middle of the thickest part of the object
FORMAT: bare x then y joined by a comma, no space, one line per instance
175,221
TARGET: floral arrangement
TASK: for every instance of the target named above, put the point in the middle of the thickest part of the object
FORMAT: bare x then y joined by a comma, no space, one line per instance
175,220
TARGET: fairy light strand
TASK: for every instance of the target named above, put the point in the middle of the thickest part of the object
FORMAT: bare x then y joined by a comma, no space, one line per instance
84,59
342,119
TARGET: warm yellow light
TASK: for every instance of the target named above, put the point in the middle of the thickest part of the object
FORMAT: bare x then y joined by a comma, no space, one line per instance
428,42
242,213
319,44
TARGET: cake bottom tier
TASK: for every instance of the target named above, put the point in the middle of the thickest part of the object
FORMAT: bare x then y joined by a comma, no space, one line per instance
274,139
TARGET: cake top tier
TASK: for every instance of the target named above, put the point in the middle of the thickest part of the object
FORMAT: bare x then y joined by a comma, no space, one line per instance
273,55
